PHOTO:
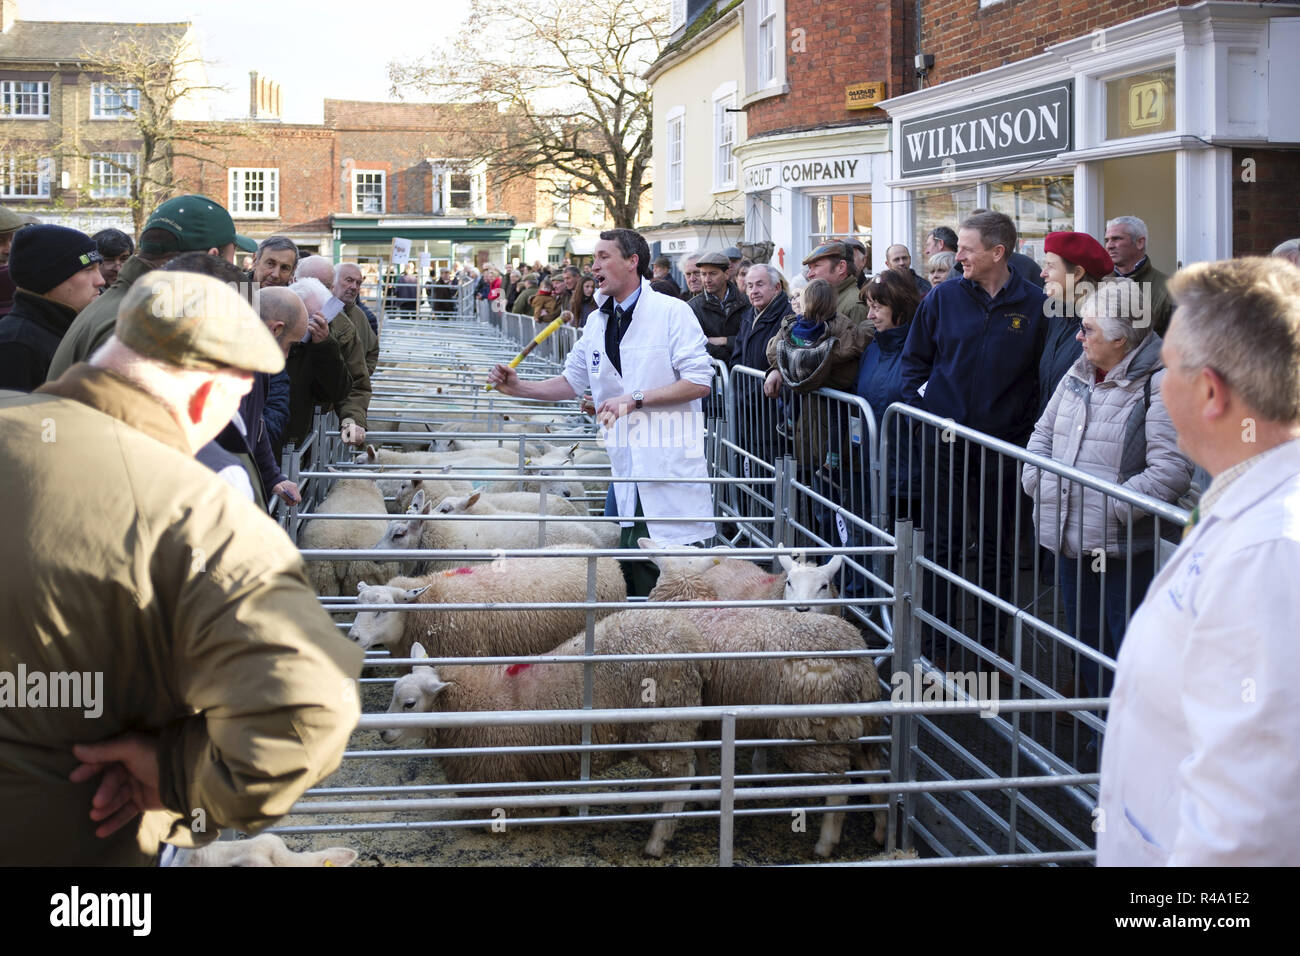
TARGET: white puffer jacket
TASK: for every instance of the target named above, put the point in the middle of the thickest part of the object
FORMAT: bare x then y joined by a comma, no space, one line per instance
1107,431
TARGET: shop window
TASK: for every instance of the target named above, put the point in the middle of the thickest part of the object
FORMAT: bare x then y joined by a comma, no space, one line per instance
945,206
837,215
1140,104
1037,207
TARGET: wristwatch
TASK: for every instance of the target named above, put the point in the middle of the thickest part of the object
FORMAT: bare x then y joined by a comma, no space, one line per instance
638,397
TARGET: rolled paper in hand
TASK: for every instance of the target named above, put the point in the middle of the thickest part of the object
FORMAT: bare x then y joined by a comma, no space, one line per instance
538,338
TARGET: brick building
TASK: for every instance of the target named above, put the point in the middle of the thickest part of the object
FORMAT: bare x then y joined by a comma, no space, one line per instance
1065,115
817,153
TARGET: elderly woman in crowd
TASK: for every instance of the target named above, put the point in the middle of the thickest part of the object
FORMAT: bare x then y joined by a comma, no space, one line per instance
1106,418
940,266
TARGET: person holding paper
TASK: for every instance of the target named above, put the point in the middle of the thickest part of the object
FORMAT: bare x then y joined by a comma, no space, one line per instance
357,343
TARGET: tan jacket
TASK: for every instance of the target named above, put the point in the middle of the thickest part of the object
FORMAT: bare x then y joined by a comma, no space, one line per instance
125,557
366,336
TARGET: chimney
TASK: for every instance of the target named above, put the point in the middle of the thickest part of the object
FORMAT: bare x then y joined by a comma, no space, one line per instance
263,97
8,14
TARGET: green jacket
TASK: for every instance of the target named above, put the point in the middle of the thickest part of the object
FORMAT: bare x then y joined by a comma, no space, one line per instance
848,303
356,405
126,558
1154,283
366,336
95,323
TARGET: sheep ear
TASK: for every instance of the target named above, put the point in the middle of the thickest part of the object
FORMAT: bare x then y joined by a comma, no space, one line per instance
417,650
573,452
647,544
336,856
786,562
473,499
412,594
833,565
430,682
417,500
370,450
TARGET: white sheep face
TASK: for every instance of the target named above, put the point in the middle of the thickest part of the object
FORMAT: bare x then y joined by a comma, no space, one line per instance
414,693
805,582
378,628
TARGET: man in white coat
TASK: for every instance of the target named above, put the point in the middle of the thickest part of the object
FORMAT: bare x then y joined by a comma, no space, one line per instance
1201,765
643,356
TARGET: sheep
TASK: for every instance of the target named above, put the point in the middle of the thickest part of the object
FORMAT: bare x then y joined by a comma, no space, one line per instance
786,681
606,532
348,496
735,579
471,534
496,502
487,632
394,488
542,686
264,850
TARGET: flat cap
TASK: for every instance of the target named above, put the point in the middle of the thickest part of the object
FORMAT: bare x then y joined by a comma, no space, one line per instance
853,242
732,252
718,260
10,220
195,321
1081,249
836,249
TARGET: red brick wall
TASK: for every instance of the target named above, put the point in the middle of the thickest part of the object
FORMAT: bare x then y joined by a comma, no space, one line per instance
1264,212
842,42
965,39
308,165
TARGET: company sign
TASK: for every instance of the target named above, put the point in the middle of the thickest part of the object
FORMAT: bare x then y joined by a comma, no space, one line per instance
1025,126
797,173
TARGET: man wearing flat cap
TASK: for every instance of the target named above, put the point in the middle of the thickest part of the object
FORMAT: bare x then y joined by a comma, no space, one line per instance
183,224
10,223
719,306
210,689
56,271
830,261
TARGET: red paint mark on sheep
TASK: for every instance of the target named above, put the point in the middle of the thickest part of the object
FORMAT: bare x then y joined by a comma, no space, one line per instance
514,669
455,571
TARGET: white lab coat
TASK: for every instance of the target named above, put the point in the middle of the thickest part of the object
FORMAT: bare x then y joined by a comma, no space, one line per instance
663,344
1201,761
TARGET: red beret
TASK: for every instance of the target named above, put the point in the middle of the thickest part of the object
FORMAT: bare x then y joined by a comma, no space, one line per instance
1081,249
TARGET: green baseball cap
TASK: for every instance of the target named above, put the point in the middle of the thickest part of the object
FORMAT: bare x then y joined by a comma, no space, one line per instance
198,223
195,321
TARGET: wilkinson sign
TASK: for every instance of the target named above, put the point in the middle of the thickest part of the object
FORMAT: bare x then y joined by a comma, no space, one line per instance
1026,126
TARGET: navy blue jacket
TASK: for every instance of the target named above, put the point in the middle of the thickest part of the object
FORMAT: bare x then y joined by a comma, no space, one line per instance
880,382
370,317
29,336
1060,351
750,348
257,441
276,413
979,355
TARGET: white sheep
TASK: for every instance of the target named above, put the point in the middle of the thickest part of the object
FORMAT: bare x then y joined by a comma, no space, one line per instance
559,581
495,502
393,489
348,496
804,680
264,850
543,686
473,534
606,532
735,579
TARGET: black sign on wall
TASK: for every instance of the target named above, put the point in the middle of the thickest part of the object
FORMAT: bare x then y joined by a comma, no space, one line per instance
1024,126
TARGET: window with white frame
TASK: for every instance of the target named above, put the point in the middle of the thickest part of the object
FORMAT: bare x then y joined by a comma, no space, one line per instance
368,190
563,201
764,46
111,102
676,15
724,137
254,192
25,178
676,123
110,175
25,98
459,187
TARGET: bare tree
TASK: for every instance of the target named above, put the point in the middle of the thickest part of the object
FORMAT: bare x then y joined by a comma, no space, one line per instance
155,83
568,78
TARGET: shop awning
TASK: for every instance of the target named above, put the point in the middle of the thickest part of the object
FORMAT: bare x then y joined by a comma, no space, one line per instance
582,245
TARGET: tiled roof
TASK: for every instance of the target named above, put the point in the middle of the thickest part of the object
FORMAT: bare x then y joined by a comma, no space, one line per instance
42,42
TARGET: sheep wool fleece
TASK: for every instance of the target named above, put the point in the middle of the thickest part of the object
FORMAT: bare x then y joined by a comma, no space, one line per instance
141,594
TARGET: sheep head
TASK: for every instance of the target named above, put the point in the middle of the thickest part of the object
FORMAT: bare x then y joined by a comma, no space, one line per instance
381,628
805,582
414,693
681,578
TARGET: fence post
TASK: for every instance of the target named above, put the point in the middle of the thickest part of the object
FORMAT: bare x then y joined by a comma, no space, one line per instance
904,654
781,502
589,649
727,802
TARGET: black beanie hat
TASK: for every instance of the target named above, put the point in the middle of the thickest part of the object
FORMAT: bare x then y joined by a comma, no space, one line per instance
44,256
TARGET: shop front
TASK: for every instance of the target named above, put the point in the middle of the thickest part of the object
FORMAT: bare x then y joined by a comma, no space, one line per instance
802,189
1147,118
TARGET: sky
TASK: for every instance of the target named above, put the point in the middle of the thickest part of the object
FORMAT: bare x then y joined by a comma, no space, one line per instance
315,51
